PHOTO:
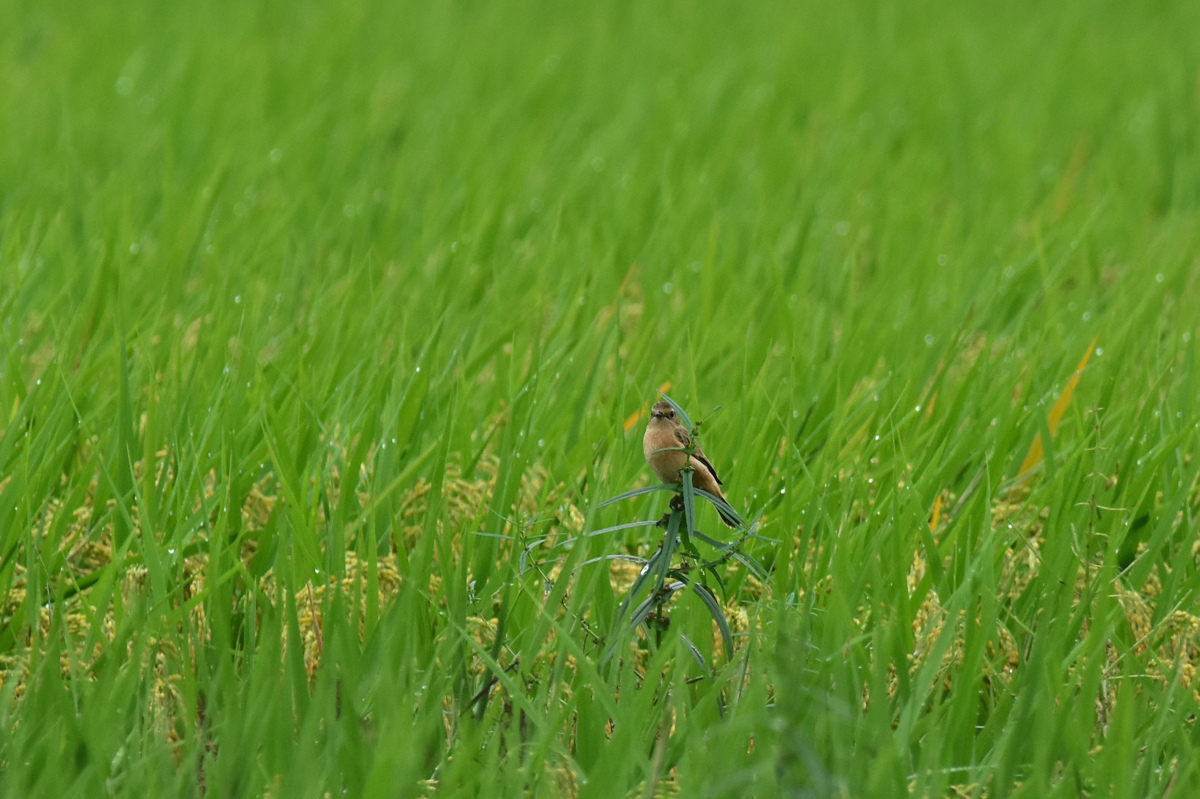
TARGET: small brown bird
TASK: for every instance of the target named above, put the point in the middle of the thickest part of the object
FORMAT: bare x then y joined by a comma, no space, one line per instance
664,446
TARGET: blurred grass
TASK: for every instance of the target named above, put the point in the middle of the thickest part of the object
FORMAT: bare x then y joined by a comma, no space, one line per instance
321,320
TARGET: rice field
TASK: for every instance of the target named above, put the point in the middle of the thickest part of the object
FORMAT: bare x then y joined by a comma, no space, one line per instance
330,332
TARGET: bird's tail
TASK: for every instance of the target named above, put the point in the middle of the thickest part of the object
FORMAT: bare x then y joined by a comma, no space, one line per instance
727,513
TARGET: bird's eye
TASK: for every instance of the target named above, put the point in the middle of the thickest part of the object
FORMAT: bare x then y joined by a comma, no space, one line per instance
671,414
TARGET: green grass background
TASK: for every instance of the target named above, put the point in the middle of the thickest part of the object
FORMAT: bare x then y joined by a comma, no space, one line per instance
451,247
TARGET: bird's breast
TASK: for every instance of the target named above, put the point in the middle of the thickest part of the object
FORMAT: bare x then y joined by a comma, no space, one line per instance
664,455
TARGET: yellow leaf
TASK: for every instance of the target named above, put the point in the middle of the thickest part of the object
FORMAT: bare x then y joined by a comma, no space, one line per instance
1036,452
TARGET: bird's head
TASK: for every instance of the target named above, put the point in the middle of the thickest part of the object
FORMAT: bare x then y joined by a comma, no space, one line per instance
662,410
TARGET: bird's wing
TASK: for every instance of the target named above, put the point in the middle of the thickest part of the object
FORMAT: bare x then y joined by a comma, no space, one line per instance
685,440
700,456
682,436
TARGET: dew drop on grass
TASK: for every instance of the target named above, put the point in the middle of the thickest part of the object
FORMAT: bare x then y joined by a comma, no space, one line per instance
668,288
876,437
276,155
1099,351
237,299
541,443
928,339
783,490
1160,277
